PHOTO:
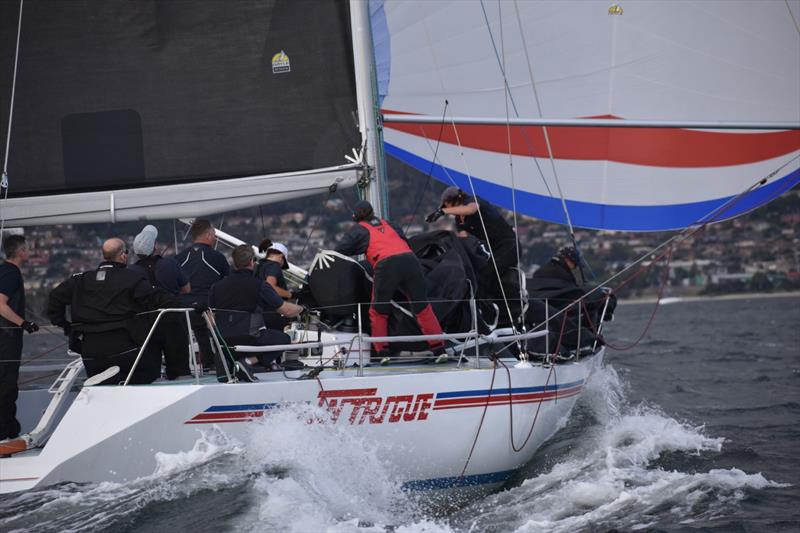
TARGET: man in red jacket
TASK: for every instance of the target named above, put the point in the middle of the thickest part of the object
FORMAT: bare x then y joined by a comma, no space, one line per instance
395,267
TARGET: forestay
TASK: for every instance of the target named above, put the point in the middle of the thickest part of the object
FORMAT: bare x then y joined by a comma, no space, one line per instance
655,61
123,104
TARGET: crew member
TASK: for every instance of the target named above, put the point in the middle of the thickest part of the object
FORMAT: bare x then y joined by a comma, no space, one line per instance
263,246
479,218
171,336
395,267
12,323
271,270
563,266
204,266
239,301
106,325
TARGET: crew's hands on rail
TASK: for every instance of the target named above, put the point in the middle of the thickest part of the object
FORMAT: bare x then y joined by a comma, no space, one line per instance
30,327
199,307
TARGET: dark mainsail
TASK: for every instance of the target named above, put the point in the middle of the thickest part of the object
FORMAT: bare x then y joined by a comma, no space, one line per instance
119,95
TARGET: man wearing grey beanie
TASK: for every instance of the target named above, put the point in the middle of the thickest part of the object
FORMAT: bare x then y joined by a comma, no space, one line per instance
171,335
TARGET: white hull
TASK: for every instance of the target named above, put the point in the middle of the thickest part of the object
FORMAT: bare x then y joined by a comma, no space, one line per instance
425,417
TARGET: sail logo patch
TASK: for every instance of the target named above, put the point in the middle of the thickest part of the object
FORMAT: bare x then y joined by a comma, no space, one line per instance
280,63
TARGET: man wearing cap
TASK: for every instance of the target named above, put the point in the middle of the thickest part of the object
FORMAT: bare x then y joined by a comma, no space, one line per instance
12,324
395,267
479,218
563,266
106,324
171,336
271,271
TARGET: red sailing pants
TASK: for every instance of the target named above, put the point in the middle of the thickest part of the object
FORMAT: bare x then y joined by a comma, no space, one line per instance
401,272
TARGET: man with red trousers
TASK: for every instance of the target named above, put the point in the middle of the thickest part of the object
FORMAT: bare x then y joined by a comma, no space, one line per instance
395,267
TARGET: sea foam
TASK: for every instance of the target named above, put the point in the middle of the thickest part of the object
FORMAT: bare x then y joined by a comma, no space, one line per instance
611,475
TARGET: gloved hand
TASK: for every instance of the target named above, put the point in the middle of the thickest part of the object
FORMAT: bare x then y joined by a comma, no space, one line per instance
199,307
30,327
436,215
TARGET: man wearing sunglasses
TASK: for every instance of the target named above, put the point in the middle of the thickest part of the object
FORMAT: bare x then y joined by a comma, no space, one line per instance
107,326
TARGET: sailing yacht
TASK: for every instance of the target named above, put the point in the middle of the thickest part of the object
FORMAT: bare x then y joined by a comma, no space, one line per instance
122,111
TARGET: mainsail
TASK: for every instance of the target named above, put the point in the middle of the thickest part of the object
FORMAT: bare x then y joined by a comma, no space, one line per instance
124,110
712,61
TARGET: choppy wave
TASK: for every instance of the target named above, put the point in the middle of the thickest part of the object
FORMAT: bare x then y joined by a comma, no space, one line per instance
210,465
616,466
613,477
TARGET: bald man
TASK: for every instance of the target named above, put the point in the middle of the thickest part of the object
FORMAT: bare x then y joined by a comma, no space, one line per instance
105,326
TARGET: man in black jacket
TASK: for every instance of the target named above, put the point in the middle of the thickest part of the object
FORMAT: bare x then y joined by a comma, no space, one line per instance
204,266
105,325
240,300
479,218
563,266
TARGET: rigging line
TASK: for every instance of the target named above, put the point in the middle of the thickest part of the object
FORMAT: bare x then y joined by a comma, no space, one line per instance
796,26
216,241
511,169
441,165
483,226
13,91
546,135
528,143
430,171
175,234
40,355
331,190
4,180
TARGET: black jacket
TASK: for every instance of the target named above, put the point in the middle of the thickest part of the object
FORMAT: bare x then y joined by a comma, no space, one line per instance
105,299
497,229
204,266
555,269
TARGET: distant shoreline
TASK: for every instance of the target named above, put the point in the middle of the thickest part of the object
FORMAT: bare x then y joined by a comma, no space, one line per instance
737,296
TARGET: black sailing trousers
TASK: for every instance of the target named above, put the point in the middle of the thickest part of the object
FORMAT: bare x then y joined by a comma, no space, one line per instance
10,355
104,349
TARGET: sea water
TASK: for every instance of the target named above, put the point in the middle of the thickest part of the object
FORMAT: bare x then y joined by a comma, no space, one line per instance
695,428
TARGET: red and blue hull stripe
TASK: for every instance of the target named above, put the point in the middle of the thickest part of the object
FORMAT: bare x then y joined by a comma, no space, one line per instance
516,396
220,414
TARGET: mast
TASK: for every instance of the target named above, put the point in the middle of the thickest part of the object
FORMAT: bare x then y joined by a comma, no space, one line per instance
373,181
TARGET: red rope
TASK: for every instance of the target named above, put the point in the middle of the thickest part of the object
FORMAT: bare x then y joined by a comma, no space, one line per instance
483,416
511,411
664,276
538,407
40,377
34,358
